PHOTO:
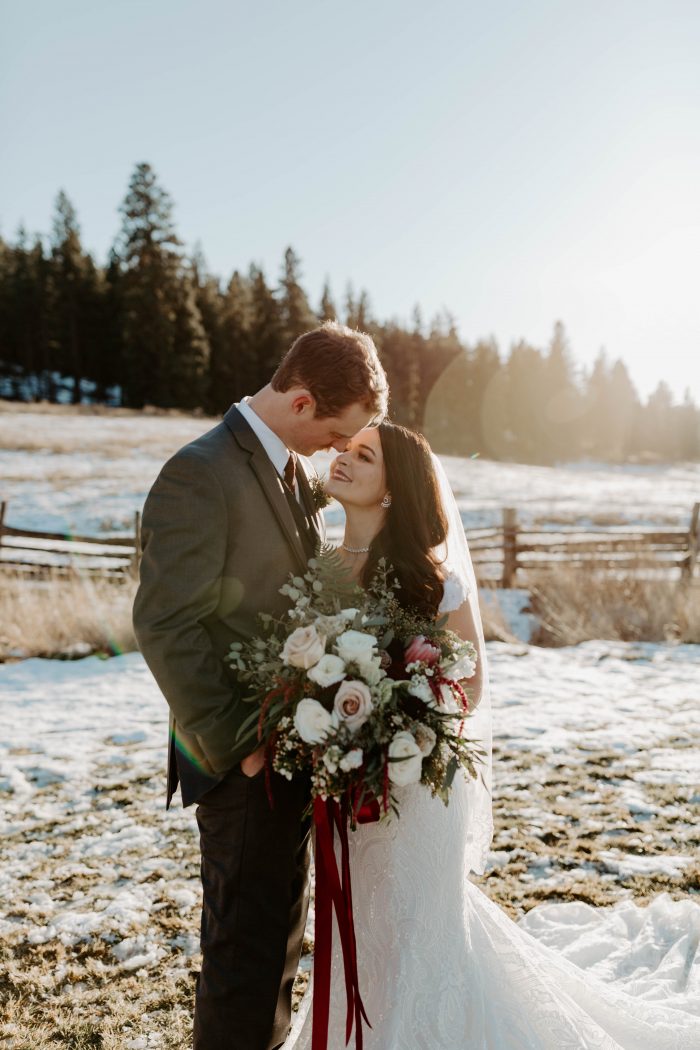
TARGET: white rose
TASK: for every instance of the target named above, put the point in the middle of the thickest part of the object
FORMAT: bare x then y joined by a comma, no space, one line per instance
311,721
464,668
425,738
355,645
409,769
329,670
303,648
331,759
419,686
353,760
371,670
349,614
353,704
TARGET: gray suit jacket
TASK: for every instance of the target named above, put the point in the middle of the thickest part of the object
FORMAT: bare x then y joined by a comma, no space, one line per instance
219,539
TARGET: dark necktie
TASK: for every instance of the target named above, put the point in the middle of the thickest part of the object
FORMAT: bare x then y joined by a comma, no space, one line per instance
290,473
307,528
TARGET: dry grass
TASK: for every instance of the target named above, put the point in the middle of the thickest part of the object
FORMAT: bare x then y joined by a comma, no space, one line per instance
494,620
78,615
65,616
578,606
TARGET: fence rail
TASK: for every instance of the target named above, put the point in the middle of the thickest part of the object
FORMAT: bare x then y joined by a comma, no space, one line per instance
502,554
32,552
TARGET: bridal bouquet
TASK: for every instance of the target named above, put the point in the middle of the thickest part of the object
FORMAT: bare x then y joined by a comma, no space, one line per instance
361,693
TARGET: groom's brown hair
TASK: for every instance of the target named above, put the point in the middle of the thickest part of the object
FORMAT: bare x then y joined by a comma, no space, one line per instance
339,366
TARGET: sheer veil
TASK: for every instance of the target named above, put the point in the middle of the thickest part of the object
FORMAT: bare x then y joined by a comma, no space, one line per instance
456,560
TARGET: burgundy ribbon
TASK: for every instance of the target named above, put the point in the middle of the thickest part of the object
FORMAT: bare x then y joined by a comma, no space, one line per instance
438,680
334,892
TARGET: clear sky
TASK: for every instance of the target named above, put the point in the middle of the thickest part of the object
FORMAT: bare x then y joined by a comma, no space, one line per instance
517,162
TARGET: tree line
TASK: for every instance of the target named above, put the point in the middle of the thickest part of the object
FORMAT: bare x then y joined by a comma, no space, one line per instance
154,327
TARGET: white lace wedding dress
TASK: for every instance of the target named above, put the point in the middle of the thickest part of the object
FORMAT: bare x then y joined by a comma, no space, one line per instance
442,967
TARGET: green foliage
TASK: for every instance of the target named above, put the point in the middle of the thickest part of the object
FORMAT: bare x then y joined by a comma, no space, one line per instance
328,569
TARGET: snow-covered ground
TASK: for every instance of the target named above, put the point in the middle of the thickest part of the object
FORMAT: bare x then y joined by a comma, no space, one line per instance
88,474
596,792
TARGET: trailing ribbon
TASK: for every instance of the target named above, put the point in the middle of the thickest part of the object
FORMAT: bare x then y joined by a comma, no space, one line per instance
437,680
334,892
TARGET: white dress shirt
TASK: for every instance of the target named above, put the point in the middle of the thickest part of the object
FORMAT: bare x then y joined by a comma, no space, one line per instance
275,447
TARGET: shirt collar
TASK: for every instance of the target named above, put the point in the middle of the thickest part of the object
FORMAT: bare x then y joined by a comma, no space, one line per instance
271,442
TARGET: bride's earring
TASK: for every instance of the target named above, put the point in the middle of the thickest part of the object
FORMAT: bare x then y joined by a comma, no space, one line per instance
386,502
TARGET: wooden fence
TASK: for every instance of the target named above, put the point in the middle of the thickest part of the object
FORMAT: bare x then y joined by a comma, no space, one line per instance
508,553
32,553
502,555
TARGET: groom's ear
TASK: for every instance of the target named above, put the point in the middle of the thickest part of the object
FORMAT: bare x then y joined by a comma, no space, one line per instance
303,402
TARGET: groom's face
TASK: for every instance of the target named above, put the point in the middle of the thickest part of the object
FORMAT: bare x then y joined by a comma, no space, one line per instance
311,433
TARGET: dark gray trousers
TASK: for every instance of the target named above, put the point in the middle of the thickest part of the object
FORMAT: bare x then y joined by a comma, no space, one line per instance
255,877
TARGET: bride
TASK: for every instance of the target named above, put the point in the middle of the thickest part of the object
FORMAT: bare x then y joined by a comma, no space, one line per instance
441,966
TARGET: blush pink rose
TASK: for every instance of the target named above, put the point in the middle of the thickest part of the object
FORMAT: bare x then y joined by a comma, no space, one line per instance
422,651
353,704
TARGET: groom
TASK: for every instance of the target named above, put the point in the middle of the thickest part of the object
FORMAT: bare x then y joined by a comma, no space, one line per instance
228,518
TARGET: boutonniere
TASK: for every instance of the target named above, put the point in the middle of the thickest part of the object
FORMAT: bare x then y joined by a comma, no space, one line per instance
318,493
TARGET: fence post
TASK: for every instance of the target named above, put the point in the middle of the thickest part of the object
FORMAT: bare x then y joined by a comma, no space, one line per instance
510,551
136,560
688,566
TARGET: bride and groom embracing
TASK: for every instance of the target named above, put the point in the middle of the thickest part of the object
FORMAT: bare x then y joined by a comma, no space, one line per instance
441,967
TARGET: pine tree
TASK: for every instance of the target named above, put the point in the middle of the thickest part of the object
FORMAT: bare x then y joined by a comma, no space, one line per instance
75,298
327,310
358,311
164,344
265,328
29,347
525,372
688,425
363,313
662,437
622,405
446,424
211,303
296,316
562,401
8,362
598,435
108,362
234,371
436,352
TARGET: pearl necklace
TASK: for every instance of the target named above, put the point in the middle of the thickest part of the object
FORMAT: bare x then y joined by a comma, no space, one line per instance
355,550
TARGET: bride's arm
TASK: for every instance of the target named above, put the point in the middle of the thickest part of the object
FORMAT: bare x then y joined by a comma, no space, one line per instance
461,621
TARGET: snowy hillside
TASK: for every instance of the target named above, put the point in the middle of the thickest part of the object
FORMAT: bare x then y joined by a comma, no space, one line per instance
88,474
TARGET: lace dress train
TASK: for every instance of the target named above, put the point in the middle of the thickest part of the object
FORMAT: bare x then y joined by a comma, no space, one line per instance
442,967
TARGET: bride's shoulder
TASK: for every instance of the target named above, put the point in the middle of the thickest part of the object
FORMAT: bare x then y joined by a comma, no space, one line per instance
454,593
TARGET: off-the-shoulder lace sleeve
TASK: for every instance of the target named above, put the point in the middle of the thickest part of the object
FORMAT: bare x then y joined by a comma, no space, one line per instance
456,591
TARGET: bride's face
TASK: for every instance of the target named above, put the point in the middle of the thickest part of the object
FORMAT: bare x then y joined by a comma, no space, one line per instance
357,476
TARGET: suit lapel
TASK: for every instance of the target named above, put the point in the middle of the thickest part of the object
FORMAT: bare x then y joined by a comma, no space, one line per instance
269,480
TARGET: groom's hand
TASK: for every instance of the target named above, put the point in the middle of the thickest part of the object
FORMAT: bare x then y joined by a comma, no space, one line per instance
253,763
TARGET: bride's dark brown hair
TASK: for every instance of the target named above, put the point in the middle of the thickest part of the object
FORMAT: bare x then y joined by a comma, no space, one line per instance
414,523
